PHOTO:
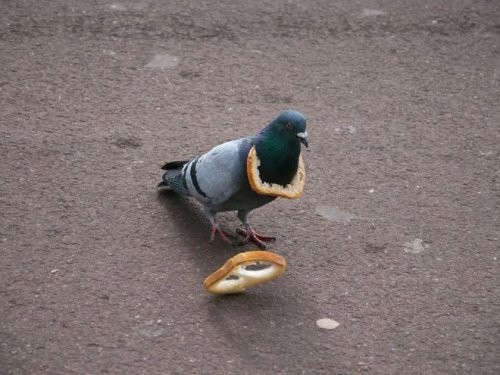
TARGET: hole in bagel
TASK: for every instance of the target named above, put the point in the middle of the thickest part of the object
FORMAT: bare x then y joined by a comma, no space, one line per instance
257,266
232,277
257,270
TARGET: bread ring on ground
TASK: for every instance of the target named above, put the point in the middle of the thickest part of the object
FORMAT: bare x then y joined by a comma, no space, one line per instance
293,190
244,271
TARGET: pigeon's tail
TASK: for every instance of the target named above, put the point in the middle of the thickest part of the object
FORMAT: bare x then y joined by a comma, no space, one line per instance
173,178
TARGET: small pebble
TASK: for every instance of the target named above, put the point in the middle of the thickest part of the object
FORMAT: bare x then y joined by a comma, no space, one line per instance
327,323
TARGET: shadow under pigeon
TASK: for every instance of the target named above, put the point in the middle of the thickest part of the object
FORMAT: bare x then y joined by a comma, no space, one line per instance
188,217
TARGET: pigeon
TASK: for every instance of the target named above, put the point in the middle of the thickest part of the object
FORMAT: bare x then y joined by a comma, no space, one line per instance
244,174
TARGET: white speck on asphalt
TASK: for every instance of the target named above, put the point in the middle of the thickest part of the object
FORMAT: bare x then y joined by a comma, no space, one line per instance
334,214
162,61
327,323
372,12
416,246
117,6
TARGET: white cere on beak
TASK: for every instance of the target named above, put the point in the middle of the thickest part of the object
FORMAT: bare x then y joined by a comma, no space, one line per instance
302,135
303,138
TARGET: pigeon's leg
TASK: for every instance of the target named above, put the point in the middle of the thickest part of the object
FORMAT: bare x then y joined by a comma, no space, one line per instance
215,227
249,233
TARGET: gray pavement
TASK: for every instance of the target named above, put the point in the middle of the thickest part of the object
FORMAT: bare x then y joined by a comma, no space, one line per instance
396,237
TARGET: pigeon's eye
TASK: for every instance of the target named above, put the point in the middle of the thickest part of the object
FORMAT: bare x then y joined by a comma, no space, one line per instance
288,126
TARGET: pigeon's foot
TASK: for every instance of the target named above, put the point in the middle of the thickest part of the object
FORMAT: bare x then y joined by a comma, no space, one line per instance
253,236
222,233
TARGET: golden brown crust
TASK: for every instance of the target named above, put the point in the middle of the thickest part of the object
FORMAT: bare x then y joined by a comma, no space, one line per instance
244,279
293,190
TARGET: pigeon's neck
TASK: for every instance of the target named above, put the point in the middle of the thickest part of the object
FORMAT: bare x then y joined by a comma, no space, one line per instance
279,158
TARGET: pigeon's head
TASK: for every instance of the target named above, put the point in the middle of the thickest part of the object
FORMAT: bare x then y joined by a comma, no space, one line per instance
278,147
290,125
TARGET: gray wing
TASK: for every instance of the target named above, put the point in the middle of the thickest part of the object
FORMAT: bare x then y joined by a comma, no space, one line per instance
218,175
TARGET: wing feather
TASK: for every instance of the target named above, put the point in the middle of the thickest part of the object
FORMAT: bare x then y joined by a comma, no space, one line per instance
216,176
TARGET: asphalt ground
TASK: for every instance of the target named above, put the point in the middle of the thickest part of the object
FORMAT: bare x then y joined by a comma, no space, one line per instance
396,237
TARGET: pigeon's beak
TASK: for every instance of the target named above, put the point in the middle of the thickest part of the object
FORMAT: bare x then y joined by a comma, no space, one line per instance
303,138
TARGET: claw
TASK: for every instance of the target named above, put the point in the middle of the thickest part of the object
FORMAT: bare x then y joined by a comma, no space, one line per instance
222,233
253,236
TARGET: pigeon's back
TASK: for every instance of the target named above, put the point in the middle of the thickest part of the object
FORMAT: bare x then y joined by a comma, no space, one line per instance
216,176
212,178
